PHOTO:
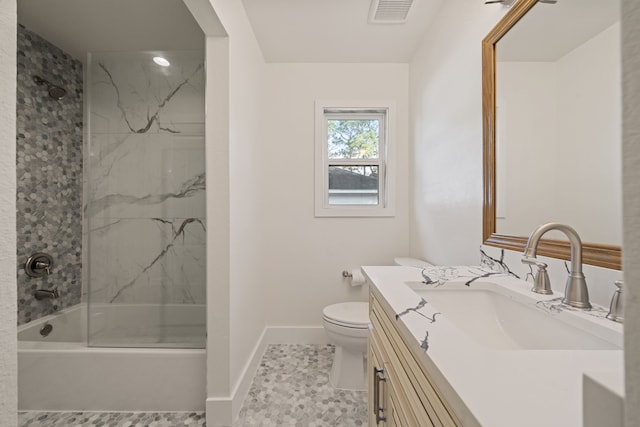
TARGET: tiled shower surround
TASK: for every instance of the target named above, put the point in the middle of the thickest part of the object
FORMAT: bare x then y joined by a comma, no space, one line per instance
146,186
49,173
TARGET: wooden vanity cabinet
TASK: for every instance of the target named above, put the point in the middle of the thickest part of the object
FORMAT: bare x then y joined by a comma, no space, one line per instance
400,391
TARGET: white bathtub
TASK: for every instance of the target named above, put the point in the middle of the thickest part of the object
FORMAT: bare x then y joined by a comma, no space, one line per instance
61,373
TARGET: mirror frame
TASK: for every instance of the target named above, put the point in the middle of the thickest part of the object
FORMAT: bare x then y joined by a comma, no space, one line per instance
607,256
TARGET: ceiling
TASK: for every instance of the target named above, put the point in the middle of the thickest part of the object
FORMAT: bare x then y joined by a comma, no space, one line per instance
550,31
286,30
298,30
335,30
81,26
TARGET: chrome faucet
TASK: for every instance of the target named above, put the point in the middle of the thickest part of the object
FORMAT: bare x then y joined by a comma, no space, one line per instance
41,294
576,293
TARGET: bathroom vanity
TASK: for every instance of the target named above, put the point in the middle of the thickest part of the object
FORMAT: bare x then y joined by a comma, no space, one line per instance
478,348
401,390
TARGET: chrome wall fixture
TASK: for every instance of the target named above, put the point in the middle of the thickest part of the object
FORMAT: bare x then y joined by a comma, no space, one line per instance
55,92
38,264
46,329
41,294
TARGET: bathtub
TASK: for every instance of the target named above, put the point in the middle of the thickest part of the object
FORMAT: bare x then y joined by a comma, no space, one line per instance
60,372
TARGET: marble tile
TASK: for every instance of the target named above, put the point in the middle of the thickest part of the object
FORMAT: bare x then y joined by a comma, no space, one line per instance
145,211
49,173
148,260
133,95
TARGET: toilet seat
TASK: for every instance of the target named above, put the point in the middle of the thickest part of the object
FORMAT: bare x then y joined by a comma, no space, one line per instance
348,314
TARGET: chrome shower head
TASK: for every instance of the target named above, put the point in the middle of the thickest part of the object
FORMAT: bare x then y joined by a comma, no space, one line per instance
55,92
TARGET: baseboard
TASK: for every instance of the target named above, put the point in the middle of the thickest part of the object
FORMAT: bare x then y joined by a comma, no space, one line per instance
219,412
241,388
296,335
222,411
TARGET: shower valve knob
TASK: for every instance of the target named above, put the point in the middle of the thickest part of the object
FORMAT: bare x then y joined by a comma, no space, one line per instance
38,264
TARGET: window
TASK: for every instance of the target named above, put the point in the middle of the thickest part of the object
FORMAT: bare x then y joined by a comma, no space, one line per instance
353,148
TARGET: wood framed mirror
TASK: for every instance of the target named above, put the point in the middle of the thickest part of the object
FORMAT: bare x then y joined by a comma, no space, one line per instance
602,249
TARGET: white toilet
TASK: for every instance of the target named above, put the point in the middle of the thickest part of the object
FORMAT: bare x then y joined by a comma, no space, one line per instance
347,326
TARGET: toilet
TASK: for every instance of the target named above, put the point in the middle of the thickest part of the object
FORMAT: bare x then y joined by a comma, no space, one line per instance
347,327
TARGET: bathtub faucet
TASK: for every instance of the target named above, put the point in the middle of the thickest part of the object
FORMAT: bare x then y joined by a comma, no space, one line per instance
41,294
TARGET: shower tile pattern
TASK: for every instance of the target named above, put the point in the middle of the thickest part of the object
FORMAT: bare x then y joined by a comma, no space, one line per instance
146,183
291,388
49,173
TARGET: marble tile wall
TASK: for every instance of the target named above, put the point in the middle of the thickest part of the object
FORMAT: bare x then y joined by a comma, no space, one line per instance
49,173
146,182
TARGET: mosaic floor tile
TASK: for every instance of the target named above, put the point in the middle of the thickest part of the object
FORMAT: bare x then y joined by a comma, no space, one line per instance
110,419
291,388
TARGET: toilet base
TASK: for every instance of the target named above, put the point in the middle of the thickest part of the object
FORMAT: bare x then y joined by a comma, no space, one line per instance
348,371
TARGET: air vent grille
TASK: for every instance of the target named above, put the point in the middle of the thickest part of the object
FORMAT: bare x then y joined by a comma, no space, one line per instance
389,11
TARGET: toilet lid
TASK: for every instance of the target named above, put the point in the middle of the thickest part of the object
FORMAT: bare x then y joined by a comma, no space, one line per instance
353,314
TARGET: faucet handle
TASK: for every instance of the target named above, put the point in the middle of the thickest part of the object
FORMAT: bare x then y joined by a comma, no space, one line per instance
616,308
39,264
541,282
43,265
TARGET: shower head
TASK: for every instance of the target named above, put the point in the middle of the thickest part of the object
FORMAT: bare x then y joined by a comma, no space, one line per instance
55,92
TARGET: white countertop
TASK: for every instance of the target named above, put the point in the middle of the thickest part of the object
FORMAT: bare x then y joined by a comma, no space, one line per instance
492,387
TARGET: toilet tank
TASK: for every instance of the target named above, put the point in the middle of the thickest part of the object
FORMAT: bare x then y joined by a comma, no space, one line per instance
412,262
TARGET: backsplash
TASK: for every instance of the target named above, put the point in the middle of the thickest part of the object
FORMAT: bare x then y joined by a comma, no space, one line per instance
49,173
599,280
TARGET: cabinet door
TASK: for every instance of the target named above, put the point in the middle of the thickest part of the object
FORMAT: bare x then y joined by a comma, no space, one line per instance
395,416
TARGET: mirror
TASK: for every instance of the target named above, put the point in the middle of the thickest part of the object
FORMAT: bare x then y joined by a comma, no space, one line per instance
552,127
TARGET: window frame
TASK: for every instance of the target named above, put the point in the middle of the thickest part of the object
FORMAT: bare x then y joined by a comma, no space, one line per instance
327,110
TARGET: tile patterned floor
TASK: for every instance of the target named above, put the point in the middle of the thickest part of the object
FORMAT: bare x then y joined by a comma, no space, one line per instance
291,388
110,419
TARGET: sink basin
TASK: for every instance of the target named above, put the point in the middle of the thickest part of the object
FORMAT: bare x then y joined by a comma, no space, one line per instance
495,319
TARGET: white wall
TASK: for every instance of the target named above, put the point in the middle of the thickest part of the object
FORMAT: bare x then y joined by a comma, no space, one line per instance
525,95
236,296
8,307
631,200
446,133
246,76
589,135
303,256
285,265
578,146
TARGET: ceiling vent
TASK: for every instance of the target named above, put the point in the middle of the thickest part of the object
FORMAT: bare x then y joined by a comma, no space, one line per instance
389,11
